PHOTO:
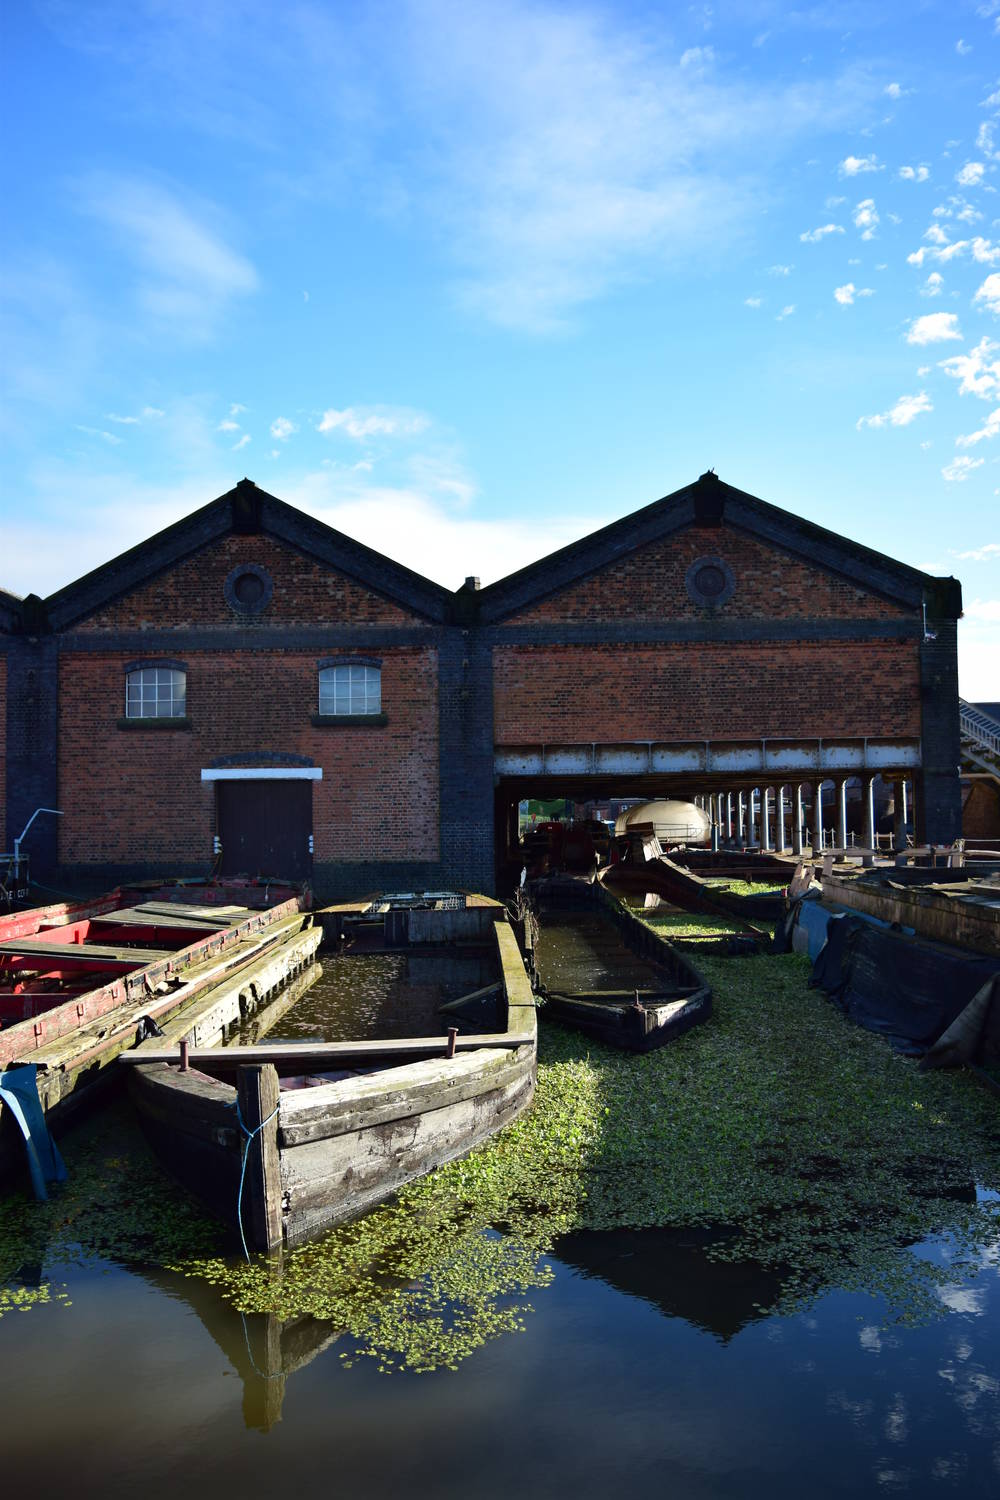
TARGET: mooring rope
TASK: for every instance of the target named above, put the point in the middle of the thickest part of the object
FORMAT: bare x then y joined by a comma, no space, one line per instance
243,1169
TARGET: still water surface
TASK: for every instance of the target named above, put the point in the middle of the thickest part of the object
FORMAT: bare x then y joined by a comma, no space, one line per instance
641,1367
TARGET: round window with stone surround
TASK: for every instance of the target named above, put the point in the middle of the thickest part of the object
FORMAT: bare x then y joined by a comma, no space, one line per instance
248,589
709,582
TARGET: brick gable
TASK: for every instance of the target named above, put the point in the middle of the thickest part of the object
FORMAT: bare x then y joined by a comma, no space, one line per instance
191,594
771,583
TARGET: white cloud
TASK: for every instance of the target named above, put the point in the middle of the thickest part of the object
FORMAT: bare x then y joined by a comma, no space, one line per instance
936,234
932,286
112,416
698,57
236,408
186,273
752,301
960,469
812,236
853,166
786,312
982,609
963,48
981,554
906,409
923,370
282,429
242,442
780,270
971,174
866,218
151,412
989,293
364,422
990,429
894,91
845,295
226,425
985,141
933,328
914,174
978,371
985,251
107,437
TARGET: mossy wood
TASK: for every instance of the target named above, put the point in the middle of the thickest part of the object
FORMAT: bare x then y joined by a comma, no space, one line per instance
345,1145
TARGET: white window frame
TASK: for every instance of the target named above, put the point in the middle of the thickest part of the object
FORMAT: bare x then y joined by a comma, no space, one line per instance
156,693
350,690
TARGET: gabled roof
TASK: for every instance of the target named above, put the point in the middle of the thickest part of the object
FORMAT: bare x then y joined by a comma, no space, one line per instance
712,502
249,510
10,611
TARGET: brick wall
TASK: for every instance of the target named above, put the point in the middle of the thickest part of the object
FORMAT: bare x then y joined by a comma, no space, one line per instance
770,584
192,593
136,797
705,691
3,754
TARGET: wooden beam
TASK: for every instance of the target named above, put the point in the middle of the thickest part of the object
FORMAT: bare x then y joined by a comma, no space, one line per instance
38,948
317,1054
258,1093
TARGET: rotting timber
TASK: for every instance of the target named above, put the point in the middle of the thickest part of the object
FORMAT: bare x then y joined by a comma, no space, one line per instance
353,1122
667,996
79,1003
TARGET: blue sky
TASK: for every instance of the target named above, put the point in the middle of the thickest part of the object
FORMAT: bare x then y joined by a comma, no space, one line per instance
469,280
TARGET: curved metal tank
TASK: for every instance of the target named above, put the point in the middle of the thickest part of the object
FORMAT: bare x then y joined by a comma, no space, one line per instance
673,822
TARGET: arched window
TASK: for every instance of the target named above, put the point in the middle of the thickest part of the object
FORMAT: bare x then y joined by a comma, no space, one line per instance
156,693
350,690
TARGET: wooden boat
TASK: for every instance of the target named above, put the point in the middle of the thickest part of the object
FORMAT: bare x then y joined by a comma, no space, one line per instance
682,887
321,1132
77,980
638,1018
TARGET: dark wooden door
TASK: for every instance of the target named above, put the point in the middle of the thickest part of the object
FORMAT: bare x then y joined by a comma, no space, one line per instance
264,827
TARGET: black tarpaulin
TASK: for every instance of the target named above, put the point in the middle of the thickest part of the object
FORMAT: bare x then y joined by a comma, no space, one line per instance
908,990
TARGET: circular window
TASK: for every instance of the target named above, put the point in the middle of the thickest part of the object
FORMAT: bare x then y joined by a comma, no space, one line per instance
248,589
709,581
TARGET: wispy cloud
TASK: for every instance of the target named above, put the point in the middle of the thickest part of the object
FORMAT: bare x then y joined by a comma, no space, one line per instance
813,236
242,442
932,286
367,422
933,328
186,274
915,174
989,293
980,554
846,294
282,429
990,429
99,432
906,410
854,166
978,371
866,218
960,469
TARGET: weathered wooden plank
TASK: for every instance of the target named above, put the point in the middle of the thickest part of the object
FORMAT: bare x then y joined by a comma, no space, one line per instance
351,1103
286,1054
258,1092
332,1180
209,916
39,948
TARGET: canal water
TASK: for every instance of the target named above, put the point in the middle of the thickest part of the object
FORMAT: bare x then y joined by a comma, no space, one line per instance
498,1360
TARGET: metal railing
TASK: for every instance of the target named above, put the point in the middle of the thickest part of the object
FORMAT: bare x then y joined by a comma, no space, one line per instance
979,727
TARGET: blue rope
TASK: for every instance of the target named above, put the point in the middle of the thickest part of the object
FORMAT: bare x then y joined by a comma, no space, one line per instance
243,1169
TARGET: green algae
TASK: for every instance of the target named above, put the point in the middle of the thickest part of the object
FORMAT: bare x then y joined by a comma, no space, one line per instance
822,1154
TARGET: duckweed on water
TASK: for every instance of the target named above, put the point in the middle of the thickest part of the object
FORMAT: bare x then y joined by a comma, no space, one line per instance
822,1153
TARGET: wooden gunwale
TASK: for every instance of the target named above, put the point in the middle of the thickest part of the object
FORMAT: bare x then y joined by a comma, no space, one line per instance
660,1015
345,1145
20,1042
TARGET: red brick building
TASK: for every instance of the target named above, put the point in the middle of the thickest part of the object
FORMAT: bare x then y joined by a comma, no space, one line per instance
252,679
